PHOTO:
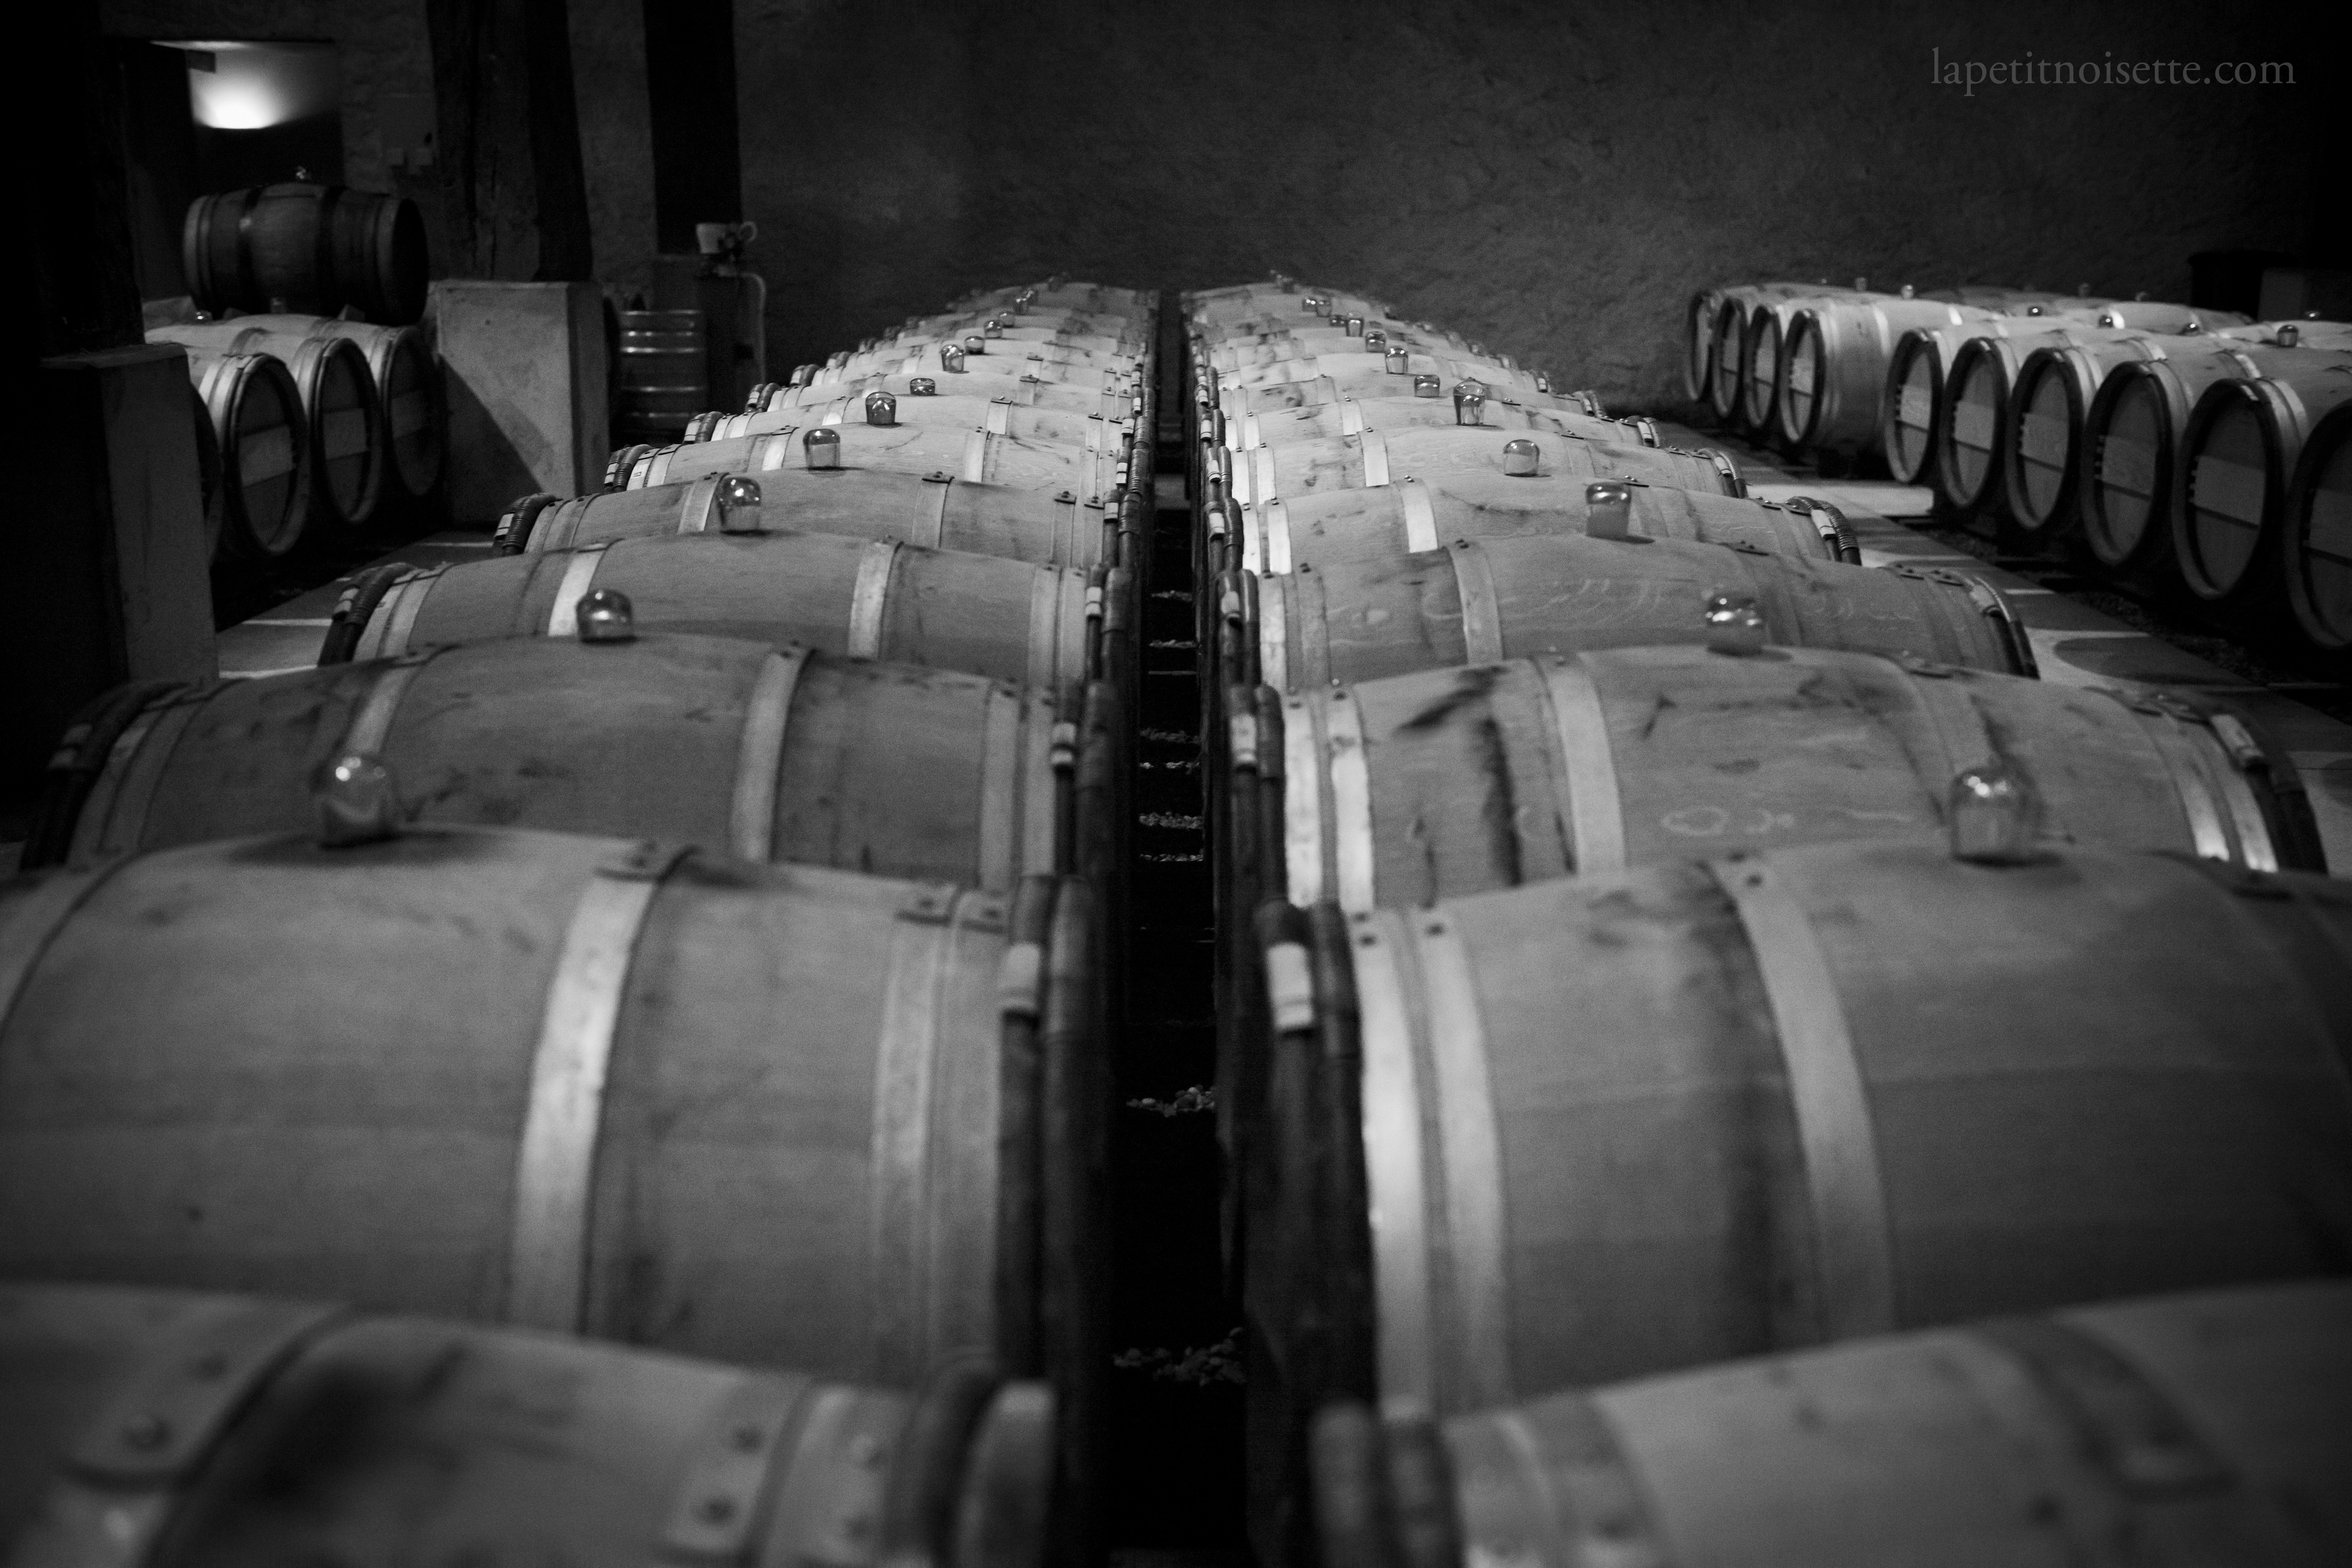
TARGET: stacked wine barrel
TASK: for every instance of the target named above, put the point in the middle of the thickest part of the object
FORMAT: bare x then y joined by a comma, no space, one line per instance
1718,1062
655,979
2189,451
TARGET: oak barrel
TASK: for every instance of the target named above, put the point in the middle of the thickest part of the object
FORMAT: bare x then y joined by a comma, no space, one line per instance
2213,1426
340,407
935,512
1365,369
1387,520
1834,386
2238,453
1491,409
1374,457
1400,792
409,386
209,470
580,1084
313,250
1071,367
1917,373
1111,401
772,753
664,382
217,1429
2316,536
263,443
1813,1094
978,454
2132,443
1003,416
2052,396
1482,602
865,599
1727,341
1369,380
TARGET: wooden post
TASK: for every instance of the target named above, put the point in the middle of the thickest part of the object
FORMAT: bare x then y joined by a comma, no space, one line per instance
508,157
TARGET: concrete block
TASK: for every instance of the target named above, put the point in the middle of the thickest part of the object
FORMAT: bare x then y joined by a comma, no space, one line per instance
110,573
526,370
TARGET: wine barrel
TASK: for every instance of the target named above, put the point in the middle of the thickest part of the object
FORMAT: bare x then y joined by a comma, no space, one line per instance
209,470
1318,532
863,599
978,456
1244,355
408,388
1063,294
2132,443
2049,401
1359,371
1698,343
663,380
265,451
2190,1424
1915,405
1815,1093
1071,367
1727,341
1369,382
1400,792
1000,415
1487,409
1023,391
775,752
311,249
2238,454
1376,457
807,1148
1763,363
934,512
340,410
140,1417
1090,336
1483,601
1972,439
2316,536
1835,387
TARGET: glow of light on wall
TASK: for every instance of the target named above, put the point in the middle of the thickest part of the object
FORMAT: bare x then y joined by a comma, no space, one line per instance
250,87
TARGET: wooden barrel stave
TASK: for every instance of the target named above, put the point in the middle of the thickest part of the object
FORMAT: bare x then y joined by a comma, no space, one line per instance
1375,458
744,1137
2315,540
1381,523
942,514
1341,380
408,389
309,248
1054,426
476,1442
1459,780
983,616
1361,621
340,407
2238,453
1349,416
1836,377
1977,1445
2043,1132
924,774
265,451
978,454
1024,391
1071,367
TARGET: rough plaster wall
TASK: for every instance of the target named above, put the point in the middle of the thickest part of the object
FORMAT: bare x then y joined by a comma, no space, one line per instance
1554,180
